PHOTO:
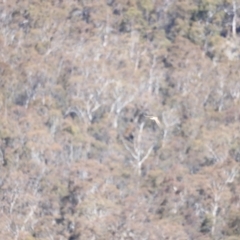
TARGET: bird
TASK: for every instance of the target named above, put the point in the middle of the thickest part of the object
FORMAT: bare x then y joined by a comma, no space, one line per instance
155,119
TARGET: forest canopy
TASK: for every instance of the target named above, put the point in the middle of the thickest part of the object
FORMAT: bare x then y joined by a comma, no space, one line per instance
120,119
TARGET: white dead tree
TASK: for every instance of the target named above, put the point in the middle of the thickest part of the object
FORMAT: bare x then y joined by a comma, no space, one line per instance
91,100
169,119
92,104
118,105
121,99
137,152
232,10
218,155
217,191
234,19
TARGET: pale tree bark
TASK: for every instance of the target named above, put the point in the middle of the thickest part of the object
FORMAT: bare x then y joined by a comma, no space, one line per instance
169,119
121,99
137,152
234,20
217,191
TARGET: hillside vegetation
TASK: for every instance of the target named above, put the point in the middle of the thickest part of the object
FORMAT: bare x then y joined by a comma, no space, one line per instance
78,157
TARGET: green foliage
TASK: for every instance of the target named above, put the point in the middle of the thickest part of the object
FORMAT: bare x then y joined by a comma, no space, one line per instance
155,177
233,224
232,238
42,47
196,33
71,128
29,237
146,5
7,133
206,224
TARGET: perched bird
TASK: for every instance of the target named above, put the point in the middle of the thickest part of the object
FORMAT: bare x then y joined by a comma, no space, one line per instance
154,119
